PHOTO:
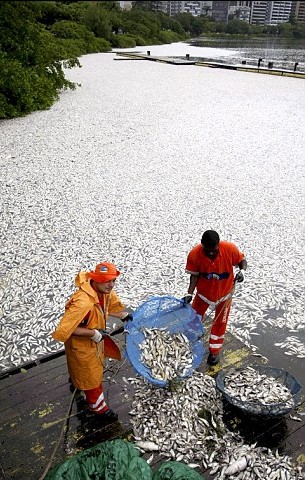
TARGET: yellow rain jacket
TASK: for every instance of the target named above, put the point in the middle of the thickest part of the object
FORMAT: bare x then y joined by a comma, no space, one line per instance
84,356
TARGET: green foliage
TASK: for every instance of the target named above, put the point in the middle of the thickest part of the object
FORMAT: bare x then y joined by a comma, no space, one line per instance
30,61
168,37
73,11
68,29
237,26
185,20
98,21
38,39
84,40
299,30
23,90
168,23
145,24
139,40
142,5
123,41
195,26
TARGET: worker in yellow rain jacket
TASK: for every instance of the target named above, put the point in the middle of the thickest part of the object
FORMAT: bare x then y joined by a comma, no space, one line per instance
86,312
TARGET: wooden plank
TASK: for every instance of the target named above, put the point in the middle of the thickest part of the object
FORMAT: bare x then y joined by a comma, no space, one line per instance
36,410
213,64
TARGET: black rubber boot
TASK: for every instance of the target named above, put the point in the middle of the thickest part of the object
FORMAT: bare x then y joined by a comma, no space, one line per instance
109,416
213,359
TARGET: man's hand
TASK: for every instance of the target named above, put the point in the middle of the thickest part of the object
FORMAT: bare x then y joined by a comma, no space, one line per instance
187,298
240,276
99,335
127,318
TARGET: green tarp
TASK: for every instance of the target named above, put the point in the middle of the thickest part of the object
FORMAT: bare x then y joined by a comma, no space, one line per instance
176,471
118,460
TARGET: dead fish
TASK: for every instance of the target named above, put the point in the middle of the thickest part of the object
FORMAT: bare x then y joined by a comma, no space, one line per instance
148,446
236,467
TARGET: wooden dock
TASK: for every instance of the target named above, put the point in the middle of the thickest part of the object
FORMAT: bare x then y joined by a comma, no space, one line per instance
211,64
44,421
151,58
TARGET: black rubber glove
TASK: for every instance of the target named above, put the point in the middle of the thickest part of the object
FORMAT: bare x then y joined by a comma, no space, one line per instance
187,298
128,318
104,333
240,276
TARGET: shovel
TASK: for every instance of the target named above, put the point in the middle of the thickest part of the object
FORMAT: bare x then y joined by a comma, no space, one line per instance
111,350
117,331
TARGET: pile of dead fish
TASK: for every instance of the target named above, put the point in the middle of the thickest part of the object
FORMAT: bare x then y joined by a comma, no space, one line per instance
184,423
257,390
167,355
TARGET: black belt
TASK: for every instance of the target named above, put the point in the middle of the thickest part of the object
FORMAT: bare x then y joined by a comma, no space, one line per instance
215,275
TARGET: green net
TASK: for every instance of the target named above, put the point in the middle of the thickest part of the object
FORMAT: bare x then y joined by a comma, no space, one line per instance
118,460
111,460
176,471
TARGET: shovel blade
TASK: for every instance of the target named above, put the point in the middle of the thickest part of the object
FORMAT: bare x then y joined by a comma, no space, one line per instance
111,350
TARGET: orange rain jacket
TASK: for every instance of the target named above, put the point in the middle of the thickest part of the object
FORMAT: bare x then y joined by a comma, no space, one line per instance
84,356
202,266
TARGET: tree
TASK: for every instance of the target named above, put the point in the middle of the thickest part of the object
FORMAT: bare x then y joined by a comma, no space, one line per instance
299,30
139,5
98,20
145,24
237,26
30,61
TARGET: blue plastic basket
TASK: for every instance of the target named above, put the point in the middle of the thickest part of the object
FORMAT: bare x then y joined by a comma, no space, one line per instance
164,312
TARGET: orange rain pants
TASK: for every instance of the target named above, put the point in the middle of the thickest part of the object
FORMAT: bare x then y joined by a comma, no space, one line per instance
96,401
219,325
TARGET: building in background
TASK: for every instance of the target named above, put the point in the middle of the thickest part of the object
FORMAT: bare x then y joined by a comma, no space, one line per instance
126,5
194,8
220,11
298,11
270,12
172,8
206,8
254,12
278,12
239,10
258,14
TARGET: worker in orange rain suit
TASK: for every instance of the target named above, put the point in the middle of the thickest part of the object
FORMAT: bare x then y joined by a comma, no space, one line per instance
210,265
85,313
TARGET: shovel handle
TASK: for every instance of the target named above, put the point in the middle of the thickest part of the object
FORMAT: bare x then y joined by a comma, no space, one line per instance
117,331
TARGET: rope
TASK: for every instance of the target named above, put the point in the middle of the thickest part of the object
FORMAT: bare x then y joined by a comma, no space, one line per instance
63,430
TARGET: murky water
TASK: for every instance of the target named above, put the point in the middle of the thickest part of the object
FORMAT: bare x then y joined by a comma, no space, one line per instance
132,167
282,52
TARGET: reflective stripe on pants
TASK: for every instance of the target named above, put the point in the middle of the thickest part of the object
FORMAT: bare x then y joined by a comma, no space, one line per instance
219,325
95,400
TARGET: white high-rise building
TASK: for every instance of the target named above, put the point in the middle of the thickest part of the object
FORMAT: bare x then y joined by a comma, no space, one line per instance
270,12
258,13
278,12
195,8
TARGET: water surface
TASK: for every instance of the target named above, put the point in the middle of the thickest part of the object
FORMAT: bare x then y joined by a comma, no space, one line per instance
132,167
